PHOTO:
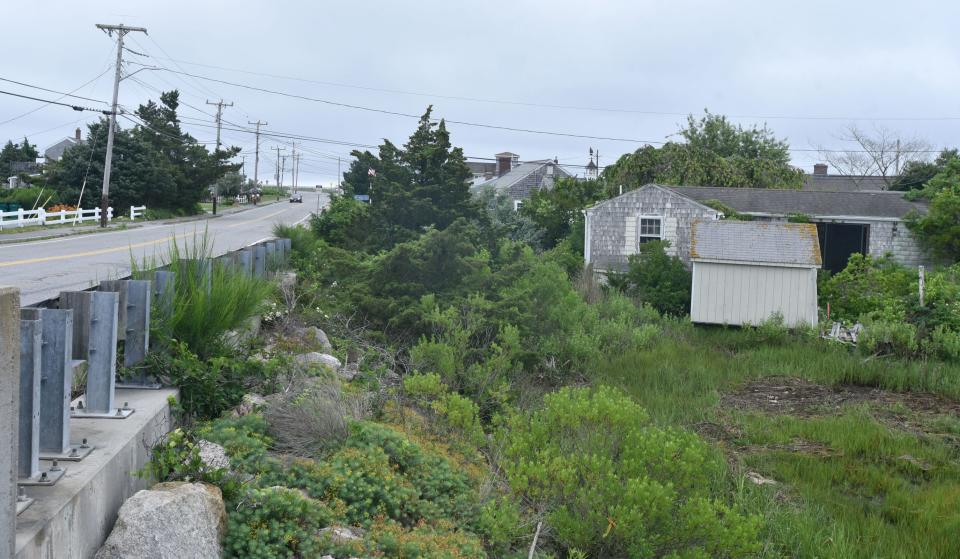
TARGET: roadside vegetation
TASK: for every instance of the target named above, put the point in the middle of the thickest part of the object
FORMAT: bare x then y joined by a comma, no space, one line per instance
494,398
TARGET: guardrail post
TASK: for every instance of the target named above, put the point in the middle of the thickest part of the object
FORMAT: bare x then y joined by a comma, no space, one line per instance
198,270
245,257
287,247
137,325
271,258
9,408
119,287
164,291
55,381
31,337
259,260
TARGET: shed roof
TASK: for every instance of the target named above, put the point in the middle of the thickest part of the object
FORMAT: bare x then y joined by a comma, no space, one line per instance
754,242
812,203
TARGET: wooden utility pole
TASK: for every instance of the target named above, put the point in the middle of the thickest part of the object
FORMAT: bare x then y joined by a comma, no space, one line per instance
256,160
121,30
279,178
220,105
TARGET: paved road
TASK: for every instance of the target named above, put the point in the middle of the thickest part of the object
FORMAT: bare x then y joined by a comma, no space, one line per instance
42,269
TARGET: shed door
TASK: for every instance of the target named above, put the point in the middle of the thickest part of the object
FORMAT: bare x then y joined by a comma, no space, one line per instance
839,240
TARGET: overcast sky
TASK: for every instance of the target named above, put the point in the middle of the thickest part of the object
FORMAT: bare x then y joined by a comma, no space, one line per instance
625,69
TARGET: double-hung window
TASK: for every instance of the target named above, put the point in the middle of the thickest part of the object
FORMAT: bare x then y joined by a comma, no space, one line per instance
649,229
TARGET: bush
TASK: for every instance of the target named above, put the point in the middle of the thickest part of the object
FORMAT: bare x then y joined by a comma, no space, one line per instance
614,485
315,420
212,386
275,522
886,337
657,279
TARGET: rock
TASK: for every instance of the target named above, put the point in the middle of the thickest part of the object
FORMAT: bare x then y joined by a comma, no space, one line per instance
249,404
759,479
175,520
213,456
316,358
316,338
341,534
349,371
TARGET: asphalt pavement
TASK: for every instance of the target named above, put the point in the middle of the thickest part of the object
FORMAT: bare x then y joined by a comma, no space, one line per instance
44,268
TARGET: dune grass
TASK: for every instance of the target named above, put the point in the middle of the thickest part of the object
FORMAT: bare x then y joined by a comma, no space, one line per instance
850,483
210,296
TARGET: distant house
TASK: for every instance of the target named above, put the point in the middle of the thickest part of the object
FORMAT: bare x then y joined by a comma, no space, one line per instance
56,151
520,180
744,272
847,222
822,181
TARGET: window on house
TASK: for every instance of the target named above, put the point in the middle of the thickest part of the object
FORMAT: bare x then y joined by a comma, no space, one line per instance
517,204
650,230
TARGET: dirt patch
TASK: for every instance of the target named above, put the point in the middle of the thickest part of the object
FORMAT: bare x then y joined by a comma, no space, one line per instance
793,396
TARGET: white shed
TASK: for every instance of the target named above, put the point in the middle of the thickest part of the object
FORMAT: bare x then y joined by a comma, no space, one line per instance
746,271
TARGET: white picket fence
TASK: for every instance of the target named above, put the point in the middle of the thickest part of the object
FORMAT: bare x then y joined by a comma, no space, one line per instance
24,218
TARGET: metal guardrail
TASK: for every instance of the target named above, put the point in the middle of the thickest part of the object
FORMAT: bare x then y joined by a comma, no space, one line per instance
44,348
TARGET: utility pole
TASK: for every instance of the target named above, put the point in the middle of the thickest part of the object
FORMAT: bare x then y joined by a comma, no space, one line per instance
121,30
279,178
338,172
256,161
283,167
220,105
293,167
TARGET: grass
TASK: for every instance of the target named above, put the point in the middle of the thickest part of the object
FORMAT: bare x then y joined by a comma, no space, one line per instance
860,485
210,297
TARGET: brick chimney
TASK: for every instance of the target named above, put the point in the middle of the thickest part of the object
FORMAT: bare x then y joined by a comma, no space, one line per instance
505,162
820,169
76,134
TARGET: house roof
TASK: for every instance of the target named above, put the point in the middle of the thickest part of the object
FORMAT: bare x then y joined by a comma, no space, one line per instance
754,242
55,152
813,203
531,175
846,183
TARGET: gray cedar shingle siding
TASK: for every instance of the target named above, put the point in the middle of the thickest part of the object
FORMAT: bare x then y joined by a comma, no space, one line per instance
612,225
756,242
525,178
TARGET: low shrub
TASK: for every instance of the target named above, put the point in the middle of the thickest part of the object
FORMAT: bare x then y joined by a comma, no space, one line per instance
614,485
316,419
273,523
657,279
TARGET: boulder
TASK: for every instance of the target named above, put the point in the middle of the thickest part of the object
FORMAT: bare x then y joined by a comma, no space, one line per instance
175,520
315,337
213,456
249,404
341,534
315,358
349,371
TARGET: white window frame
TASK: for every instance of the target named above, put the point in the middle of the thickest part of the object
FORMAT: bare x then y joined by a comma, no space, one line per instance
641,235
517,204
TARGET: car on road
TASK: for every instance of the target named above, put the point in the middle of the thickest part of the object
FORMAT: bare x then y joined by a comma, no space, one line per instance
296,198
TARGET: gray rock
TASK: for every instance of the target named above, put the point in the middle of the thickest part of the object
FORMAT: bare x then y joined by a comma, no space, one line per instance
349,371
315,358
174,520
316,338
341,534
249,404
213,456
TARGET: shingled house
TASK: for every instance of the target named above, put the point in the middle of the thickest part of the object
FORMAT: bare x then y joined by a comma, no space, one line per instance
866,222
519,180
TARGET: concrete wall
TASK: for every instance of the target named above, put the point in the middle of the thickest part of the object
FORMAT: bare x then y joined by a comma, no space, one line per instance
73,518
611,232
896,239
740,294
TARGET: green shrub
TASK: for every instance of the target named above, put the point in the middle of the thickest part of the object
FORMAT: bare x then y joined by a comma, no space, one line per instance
614,485
887,337
275,522
210,387
657,279
177,458
943,343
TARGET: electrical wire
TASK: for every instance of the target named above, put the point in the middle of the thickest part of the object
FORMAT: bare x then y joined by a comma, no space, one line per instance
49,102
54,91
31,111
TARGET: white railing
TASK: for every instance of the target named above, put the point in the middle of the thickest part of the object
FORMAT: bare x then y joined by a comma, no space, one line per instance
137,211
40,216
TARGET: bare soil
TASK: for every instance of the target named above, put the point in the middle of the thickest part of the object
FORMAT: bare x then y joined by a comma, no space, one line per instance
793,396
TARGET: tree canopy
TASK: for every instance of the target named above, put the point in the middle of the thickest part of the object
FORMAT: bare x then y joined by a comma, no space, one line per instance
16,153
714,152
412,188
154,163
939,229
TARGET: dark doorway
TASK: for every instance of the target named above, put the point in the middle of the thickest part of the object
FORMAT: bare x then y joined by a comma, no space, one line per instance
839,240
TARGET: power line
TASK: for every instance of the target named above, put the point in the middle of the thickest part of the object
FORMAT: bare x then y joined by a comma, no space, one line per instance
49,102
31,111
57,92
556,106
